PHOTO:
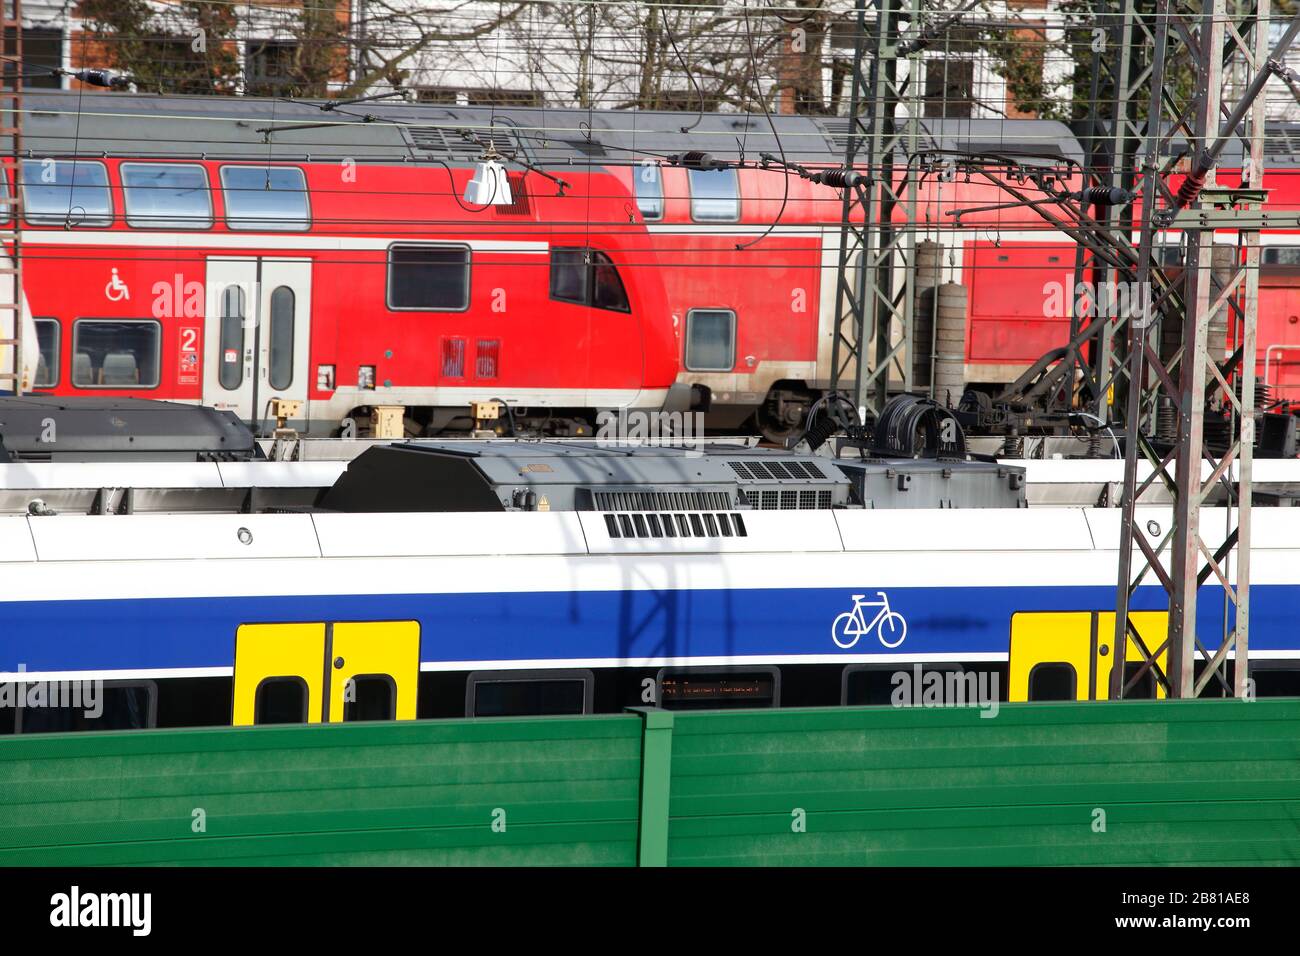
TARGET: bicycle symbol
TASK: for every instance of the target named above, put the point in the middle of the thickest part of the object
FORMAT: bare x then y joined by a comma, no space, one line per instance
890,626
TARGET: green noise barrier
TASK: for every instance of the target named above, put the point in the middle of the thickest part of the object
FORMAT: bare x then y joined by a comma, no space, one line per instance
1143,783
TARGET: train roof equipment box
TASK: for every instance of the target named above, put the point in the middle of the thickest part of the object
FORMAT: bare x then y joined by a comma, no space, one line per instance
898,483
581,476
45,428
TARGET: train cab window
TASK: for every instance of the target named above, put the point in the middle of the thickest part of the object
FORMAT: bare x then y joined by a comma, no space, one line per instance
117,353
270,198
84,705
587,277
281,337
66,192
371,697
231,373
281,700
687,688
649,186
715,195
47,366
166,196
710,340
428,278
529,693
1052,681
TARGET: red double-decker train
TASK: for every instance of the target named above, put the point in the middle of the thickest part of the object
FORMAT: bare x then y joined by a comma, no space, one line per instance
202,255
230,250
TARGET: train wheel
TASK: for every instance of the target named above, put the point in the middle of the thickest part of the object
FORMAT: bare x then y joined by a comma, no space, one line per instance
782,415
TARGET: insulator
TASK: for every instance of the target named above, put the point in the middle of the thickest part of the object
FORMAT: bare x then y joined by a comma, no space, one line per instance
839,178
1103,196
950,341
105,78
696,159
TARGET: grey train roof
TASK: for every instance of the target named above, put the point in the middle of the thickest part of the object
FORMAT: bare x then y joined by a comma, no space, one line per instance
118,124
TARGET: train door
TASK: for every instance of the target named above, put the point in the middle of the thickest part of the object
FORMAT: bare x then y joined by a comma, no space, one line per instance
341,672
256,343
1067,655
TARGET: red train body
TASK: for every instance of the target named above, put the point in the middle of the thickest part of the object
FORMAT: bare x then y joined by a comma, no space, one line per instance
729,277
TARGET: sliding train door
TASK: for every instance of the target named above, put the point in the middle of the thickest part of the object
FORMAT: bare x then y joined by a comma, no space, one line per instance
340,672
256,338
1068,655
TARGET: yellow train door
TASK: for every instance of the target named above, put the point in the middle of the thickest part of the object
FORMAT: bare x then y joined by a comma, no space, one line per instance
1068,655
310,672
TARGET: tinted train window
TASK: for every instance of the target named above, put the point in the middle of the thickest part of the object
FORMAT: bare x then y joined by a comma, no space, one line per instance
371,697
82,705
166,196
710,340
47,340
63,191
715,195
281,700
281,331
1282,256
231,371
433,278
1276,681
115,354
265,197
587,277
649,191
1054,681
528,693
1145,688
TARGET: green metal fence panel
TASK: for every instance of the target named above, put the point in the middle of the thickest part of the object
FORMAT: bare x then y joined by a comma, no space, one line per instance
1195,782
542,791
1167,782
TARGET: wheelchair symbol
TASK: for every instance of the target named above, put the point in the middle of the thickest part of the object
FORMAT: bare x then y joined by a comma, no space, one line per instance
116,290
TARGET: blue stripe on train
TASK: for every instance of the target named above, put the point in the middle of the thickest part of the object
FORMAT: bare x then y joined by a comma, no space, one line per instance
200,632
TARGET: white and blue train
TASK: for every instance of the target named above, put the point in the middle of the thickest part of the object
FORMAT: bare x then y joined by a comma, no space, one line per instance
319,614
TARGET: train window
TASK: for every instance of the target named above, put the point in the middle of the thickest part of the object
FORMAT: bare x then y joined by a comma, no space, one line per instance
1052,681
1282,256
428,278
529,693
684,688
66,192
166,196
115,353
1144,689
86,705
710,340
715,195
281,333
47,340
372,697
569,275
1275,681
587,277
4,196
265,197
280,700
903,685
231,373
649,191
